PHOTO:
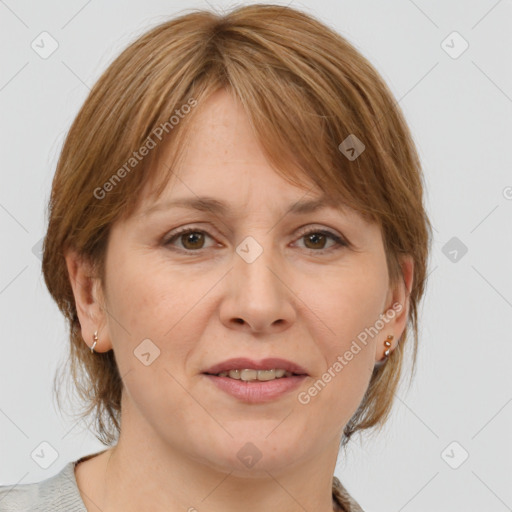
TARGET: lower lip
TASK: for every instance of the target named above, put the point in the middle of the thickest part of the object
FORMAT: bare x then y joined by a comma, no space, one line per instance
257,391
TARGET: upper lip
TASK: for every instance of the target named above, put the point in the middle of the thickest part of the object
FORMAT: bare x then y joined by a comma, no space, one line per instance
240,363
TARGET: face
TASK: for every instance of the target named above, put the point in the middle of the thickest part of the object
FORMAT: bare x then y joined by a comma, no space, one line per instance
252,281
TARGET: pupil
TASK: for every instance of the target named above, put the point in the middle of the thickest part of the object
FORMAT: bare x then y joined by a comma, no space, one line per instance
314,237
190,238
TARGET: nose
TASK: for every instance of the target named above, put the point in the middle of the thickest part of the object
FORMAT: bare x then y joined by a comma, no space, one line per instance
258,299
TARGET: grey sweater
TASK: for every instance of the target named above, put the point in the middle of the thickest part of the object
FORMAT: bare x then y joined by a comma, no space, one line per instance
60,493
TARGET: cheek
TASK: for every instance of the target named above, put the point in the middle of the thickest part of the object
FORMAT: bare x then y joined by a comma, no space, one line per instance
353,300
147,294
149,300
351,305
151,312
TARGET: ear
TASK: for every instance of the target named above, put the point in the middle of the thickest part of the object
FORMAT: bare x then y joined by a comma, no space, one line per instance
397,305
89,301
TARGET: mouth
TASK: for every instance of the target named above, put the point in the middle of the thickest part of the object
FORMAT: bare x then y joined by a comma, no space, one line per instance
256,381
248,374
245,369
254,391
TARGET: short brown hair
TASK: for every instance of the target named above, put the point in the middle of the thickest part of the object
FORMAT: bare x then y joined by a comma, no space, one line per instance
305,89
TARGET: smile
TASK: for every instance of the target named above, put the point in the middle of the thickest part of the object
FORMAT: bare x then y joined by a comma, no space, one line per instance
254,390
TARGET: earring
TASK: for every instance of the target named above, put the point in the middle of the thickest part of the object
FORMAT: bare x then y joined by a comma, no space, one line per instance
95,338
388,344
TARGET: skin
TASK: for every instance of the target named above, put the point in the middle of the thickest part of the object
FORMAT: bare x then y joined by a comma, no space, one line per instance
180,434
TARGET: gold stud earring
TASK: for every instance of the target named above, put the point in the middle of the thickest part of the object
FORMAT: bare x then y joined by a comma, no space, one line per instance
95,338
388,344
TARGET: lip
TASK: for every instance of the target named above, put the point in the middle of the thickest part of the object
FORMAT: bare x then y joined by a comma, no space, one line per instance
241,363
257,391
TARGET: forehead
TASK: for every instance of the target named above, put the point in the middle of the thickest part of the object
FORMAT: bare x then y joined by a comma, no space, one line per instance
218,166
220,157
222,132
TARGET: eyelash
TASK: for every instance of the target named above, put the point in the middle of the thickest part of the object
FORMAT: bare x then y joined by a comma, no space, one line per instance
340,242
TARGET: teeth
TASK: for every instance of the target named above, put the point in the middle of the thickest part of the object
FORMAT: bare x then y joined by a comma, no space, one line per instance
250,375
262,375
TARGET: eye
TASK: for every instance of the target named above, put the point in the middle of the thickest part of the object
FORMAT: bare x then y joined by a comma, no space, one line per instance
317,237
192,239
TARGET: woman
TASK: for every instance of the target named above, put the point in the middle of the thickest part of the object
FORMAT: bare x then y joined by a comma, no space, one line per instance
238,241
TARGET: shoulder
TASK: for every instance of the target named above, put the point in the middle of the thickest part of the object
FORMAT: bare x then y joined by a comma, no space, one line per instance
57,493
343,499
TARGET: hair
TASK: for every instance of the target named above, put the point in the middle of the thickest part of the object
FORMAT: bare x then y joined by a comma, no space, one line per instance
305,89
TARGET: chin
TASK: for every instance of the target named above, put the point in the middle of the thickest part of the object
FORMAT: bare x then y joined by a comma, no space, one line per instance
255,454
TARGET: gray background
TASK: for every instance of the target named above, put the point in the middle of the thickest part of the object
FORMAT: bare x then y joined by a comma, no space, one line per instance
459,110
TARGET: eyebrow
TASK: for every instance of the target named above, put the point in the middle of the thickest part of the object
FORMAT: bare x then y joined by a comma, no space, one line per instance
210,204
